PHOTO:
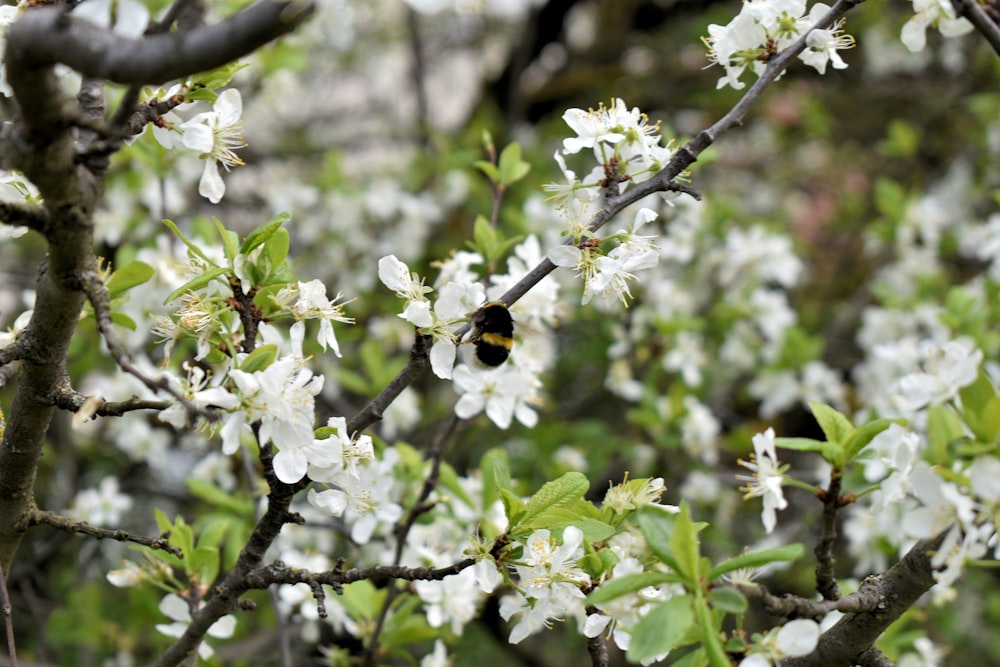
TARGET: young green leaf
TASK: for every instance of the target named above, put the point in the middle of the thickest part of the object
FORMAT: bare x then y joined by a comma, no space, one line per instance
127,277
728,600
685,546
657,527
557,493
836,427
662,629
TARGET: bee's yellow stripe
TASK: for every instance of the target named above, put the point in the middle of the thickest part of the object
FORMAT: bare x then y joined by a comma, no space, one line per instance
497,339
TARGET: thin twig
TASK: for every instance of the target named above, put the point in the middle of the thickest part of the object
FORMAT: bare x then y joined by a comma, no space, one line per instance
160,542
8,619
417,364
984,23
71,400
826,562
663,181
402,531
93,286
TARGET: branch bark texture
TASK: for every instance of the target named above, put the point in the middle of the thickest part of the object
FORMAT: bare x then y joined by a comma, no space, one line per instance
854,635
41,143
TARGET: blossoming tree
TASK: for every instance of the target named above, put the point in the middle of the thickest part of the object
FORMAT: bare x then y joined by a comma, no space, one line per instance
276,433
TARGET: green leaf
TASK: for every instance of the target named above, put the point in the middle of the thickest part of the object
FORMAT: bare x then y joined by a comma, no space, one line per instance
628,584
598,562
197,282
204,564
211,534
489,169
890,198
182,537
406,625
230,240
259,359
980,405
728,600
513,506
263,233
801,444
943,428
191,245
557,493
662,629
510,165
685,546
863,436
657,527
362,600
496,476
213,495
127,277
836,427
163,524
790,552
276,247
123,320
485,237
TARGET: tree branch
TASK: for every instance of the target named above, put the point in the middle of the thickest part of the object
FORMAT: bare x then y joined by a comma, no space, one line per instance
97,294
71,400
867,598
984,23
898,588
24,215
826,572
47,36
161,542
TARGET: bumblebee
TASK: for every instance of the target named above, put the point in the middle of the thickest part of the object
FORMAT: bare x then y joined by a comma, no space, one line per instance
492,333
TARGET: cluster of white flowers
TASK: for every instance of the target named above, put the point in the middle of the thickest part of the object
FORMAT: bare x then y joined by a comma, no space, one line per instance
360,485
549,583
505,392
627,149
764,28
938,14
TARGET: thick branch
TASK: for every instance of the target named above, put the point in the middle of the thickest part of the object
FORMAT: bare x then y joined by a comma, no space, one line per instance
47,36
900,587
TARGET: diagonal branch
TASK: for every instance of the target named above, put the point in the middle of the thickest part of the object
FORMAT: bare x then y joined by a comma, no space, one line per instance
898,588
984,22
662,182
47,36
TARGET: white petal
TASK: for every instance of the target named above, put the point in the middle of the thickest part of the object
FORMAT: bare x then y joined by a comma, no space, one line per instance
211,186
443,354
798,638
198,136
224,627
229,106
